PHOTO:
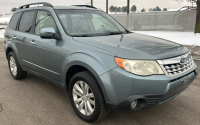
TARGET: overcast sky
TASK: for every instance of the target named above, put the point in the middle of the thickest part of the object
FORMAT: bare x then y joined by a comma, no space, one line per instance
7,5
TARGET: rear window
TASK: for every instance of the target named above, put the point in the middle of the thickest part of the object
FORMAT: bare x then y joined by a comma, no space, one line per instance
14,20
26,23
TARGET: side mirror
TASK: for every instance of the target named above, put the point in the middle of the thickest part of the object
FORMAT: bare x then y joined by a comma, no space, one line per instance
48,33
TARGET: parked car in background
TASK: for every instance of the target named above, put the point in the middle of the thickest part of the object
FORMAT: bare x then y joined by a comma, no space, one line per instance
102,65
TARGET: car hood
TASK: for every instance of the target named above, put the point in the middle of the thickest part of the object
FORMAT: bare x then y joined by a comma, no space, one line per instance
135,46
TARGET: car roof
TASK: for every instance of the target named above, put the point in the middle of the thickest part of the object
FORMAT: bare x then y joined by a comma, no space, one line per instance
58,7
45,5
74,7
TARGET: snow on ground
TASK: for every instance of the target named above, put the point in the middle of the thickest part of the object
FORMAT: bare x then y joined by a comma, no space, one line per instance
176,9
2,33
4,19
184,38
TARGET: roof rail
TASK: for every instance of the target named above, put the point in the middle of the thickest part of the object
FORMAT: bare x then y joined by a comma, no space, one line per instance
85,6
28,5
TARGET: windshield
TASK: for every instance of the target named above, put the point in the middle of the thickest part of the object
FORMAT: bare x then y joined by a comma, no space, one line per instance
88,23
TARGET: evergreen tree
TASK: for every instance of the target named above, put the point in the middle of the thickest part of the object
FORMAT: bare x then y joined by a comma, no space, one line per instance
119,9
158,8
143,10
115,9
133,8
124,9
165,9
112,8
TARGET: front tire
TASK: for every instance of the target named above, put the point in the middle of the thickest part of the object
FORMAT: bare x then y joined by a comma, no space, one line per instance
86,97
14,67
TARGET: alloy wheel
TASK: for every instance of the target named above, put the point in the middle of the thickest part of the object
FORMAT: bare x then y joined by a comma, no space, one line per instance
83,98
13,66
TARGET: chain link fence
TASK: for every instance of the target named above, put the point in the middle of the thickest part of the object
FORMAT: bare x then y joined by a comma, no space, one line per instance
158,21
151,21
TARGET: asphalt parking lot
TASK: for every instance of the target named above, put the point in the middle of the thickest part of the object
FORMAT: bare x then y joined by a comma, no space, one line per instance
35,101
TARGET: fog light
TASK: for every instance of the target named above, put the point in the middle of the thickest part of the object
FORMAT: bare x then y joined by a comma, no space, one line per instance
133,104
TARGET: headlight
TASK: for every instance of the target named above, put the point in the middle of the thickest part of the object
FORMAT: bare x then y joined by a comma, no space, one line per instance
139,67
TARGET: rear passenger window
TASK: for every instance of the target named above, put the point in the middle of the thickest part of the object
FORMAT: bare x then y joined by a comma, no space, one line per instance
44,20
14,20
26,22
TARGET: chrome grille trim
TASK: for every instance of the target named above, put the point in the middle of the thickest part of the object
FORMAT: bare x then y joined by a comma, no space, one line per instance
177,66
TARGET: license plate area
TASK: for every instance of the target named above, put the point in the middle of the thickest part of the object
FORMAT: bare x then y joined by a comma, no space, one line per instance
187,78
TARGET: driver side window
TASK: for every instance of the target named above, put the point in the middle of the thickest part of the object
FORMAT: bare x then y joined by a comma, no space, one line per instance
44,20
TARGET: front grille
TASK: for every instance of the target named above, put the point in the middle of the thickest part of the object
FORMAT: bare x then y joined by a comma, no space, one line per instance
176,66
176,69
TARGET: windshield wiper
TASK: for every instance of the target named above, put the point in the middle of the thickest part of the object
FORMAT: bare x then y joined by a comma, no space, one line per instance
81,35
115,33
91,35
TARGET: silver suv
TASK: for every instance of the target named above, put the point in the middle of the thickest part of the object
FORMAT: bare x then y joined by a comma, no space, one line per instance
88,53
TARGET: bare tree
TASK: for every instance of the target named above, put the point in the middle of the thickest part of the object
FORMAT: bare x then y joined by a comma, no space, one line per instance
180,1
150,9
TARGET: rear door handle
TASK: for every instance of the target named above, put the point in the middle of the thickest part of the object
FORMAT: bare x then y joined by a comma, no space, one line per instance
32,42
14,37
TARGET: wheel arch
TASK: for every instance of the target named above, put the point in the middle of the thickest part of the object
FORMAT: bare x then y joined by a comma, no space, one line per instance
84,67
8,50
86,63
12,48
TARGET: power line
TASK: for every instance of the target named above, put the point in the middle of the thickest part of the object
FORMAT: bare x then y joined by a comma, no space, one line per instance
142,3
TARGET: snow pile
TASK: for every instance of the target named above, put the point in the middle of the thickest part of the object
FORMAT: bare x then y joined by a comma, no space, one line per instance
6,14
4,20
184,38
2,33
177,9
5,17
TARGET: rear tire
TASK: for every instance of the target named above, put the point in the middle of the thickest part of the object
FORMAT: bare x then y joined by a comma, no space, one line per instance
90,96
14,67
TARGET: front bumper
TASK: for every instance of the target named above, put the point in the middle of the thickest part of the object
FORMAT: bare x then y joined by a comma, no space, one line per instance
148,91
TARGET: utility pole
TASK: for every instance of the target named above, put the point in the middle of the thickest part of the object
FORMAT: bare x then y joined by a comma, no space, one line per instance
107,6
128,5
91,2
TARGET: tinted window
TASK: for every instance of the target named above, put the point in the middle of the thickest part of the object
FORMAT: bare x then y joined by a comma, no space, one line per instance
44,20
14,20
26,22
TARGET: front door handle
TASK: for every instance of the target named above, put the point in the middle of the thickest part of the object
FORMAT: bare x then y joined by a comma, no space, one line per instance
32,42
